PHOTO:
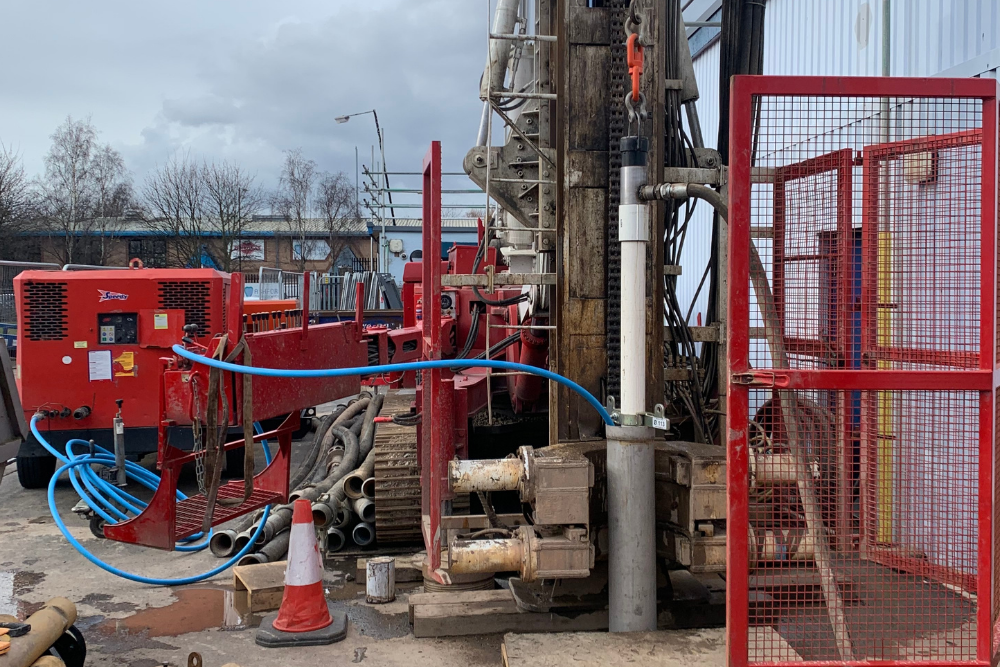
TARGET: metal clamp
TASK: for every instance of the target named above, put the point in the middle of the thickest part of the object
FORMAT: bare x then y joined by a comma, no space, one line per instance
656,419
766,379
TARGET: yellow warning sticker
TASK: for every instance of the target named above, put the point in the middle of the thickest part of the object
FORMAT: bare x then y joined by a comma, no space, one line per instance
80,344
125,365
159,320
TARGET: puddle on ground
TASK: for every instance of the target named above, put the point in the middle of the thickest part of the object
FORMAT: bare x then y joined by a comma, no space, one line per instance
204,608
196,609
15,584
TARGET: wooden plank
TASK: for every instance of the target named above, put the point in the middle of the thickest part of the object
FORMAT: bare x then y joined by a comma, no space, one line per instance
709,334
587,169
670,648
261,585
462,620
589,25
588,73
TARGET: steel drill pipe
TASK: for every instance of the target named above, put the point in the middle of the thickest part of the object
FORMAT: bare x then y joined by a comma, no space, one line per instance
242,539
276,549
363,534
364,508
328,512
479,556
47,625
368,488
335,539
630,471
223,543
472,475
354,482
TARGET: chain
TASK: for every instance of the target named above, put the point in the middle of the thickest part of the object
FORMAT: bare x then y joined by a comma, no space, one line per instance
198,444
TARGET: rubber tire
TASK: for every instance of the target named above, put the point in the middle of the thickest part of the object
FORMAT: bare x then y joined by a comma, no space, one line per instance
34,472
234,463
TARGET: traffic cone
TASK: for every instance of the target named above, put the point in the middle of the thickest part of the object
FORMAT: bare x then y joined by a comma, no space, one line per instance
305,617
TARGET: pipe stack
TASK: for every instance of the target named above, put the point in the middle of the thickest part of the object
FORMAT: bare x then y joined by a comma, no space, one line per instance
336,477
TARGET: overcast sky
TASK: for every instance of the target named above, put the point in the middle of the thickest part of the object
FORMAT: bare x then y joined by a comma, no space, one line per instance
245,79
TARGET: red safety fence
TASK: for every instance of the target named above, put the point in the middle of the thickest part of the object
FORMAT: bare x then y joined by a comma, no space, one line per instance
861,347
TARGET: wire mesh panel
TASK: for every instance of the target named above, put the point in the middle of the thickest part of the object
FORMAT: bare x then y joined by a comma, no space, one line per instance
861,290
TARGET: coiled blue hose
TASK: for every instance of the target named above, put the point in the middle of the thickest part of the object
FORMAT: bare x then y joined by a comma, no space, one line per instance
102,496
396,368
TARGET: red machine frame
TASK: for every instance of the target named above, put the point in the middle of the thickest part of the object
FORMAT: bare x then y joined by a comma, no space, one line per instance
976,375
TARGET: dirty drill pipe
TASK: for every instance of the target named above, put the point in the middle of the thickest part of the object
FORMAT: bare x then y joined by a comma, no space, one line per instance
223,543
47,625
354,481
363,534
335,539
273,551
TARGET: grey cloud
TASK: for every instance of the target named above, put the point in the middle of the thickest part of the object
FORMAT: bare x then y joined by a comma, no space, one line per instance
246,79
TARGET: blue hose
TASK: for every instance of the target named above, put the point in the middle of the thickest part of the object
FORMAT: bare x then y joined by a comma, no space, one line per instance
102,496
395,368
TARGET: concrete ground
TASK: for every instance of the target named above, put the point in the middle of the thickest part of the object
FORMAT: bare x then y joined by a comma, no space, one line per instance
126,623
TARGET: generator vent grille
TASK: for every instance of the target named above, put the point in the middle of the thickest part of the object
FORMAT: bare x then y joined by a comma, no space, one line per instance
190,296
45,310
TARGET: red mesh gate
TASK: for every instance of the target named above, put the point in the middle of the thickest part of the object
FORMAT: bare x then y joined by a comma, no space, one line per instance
862,251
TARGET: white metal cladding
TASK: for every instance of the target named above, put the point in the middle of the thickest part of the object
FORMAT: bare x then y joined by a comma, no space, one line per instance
697,245
844,37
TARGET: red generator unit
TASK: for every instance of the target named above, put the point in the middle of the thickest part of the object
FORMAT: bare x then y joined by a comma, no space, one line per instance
89,339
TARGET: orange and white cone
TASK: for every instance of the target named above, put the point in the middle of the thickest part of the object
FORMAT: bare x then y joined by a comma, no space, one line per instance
303,605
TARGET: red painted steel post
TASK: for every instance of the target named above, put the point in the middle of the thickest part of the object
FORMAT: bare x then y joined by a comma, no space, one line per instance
737,456
435,404
359,309
305,305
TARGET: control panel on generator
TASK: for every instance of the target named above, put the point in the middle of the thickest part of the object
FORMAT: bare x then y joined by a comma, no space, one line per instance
118,328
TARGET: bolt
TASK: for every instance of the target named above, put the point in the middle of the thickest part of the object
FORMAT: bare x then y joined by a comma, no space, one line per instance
545,191
479,160
545,223
520,147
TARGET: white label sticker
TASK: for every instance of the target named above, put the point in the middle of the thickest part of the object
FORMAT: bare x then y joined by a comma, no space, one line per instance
159,320
107,334
660,423
99,363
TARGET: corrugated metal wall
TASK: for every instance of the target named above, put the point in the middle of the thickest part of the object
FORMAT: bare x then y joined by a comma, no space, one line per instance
844,37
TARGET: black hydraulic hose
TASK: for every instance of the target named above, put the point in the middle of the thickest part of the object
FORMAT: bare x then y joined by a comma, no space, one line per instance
319,467
307,464
367,440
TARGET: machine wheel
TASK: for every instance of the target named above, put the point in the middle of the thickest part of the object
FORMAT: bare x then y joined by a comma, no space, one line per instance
34,472
71,648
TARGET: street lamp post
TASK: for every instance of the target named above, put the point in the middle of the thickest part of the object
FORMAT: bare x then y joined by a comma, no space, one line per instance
385,172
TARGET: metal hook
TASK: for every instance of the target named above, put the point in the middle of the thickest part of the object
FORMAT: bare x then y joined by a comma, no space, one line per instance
634,114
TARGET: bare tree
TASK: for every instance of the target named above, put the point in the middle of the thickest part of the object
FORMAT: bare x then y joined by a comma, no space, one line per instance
174,203
232,198
17,203
67,188
293,200
337,206
113,196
